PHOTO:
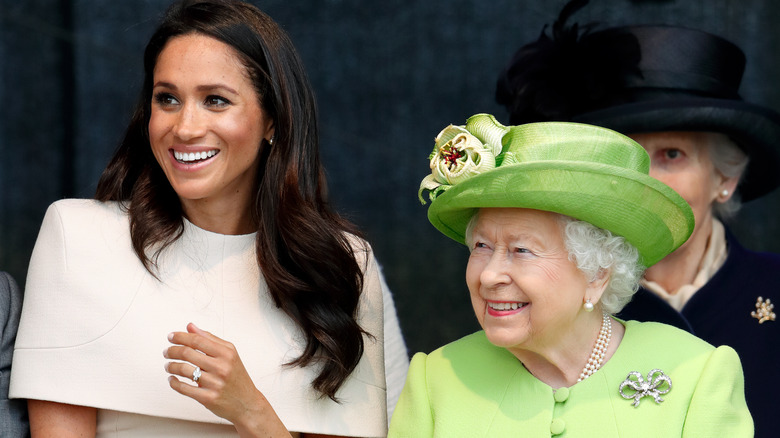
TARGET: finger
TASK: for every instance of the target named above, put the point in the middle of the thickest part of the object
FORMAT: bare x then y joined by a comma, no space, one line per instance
183,388
183,369
206,397
192,328
195,374
196,342
187,354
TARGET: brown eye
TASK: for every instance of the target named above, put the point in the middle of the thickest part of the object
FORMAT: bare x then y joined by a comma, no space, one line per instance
217,101
671,154
165,99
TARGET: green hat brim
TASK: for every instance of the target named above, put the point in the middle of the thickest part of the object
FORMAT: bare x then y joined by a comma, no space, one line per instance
647,213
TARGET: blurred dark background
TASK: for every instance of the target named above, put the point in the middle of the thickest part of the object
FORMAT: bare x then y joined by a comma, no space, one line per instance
389,75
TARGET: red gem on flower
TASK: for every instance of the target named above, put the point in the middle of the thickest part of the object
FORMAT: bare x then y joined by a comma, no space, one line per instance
451,155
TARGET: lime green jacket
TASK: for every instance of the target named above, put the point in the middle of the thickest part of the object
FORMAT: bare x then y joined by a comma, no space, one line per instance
471,388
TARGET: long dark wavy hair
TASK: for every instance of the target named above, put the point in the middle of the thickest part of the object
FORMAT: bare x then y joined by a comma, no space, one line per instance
303,247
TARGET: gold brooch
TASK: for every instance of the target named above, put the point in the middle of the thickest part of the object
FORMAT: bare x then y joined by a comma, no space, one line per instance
763,310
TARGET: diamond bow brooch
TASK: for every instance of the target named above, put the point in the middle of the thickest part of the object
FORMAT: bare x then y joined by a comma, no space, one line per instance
657,383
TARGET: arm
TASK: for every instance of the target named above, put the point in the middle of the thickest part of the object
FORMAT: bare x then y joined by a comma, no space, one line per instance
413,415
41,326
59,420
13,413
718,405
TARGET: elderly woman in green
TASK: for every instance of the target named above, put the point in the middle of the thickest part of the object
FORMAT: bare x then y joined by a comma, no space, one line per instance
560,220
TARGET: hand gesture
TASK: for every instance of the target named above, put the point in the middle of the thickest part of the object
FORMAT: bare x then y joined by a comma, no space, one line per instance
222,384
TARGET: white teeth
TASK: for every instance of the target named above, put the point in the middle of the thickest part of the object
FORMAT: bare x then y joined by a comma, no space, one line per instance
185,157
505,306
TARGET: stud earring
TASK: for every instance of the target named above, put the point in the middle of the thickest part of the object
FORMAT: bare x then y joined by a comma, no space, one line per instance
724,193
588,306
271,140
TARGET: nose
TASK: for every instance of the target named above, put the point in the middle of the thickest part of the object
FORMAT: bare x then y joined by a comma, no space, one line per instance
189,123
496,272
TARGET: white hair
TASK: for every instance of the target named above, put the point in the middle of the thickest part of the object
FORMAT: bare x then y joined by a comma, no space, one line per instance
596,251
730,161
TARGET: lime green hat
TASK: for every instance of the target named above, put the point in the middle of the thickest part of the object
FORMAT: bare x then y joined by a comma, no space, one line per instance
586,172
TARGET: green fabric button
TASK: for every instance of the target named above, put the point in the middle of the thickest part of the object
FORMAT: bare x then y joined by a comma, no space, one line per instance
557,426
561,395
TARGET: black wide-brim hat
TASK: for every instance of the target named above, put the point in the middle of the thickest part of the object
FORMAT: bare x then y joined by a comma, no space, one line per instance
643,79
688,81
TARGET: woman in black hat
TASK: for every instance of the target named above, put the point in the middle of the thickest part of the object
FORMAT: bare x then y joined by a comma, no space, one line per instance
675,91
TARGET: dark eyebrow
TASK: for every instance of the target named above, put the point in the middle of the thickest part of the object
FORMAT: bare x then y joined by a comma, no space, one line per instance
206,88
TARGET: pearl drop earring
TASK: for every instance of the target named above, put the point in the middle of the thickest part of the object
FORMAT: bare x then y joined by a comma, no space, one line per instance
588,306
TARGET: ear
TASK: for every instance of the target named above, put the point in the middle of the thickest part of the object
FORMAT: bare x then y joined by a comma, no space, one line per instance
597,286
726,188
270,130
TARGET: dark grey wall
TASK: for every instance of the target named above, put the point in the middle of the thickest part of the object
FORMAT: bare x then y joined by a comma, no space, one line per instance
389,75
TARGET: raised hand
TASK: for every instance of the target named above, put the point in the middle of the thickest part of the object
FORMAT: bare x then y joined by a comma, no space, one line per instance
221,382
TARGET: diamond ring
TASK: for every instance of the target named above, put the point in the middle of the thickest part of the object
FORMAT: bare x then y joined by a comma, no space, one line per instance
196,375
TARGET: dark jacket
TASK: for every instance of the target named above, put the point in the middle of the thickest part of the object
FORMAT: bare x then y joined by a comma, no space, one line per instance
720,313
13,413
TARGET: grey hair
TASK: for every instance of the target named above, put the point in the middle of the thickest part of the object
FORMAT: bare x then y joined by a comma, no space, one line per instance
730,161
470,228
594,251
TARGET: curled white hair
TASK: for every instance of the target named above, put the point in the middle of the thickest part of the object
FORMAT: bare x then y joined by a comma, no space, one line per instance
594,251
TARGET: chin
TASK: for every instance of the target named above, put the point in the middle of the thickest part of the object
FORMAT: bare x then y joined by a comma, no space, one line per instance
500,338
190,191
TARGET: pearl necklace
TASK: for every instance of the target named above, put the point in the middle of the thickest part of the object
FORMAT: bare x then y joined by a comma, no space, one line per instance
599,350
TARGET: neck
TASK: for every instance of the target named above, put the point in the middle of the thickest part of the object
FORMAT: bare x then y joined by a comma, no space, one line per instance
680,267
562,364
223,217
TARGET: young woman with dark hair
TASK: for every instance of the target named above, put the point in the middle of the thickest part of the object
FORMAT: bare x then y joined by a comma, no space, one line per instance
213,209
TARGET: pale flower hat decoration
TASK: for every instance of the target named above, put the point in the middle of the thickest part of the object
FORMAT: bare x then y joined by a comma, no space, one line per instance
586,172
462,152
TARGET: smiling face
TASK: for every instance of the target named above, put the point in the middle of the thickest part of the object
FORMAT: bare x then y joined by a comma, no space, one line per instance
525,291
206,127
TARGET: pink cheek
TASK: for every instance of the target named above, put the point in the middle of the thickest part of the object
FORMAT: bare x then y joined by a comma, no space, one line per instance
473,288
658,171
155,133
